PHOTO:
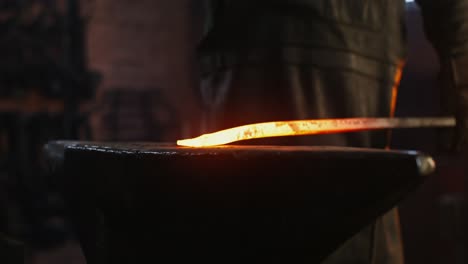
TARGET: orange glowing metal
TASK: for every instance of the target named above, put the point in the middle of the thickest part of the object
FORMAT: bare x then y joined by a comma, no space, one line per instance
310,127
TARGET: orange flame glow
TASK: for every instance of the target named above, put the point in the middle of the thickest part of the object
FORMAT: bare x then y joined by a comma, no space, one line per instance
309,127
269,129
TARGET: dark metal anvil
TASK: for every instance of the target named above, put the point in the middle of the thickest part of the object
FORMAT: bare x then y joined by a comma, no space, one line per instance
140,203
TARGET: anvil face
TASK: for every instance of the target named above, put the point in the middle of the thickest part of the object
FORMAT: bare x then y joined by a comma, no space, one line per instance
233,204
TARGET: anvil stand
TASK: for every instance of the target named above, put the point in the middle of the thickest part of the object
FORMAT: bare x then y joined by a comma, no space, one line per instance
158,203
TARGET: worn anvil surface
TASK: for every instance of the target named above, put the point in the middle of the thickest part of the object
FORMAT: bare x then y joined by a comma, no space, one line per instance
149,202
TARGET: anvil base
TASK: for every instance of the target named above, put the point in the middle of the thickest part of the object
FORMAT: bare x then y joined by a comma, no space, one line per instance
158,203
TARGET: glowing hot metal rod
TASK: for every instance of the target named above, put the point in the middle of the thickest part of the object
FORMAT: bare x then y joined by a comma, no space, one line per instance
311,127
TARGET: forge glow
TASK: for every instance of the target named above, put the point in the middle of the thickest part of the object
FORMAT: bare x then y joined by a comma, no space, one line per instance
309,127
260,130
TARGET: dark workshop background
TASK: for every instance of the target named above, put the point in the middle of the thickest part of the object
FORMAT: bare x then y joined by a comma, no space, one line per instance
121,70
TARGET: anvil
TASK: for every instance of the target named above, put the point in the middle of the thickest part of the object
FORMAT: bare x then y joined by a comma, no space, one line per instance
158,203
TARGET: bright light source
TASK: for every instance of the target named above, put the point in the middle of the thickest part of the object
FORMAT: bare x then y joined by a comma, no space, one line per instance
309,127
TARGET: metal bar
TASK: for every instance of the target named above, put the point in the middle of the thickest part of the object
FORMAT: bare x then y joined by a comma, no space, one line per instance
312,127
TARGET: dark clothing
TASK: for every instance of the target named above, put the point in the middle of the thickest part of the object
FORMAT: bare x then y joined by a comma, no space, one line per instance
364,33
303,59
366,37
354,48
